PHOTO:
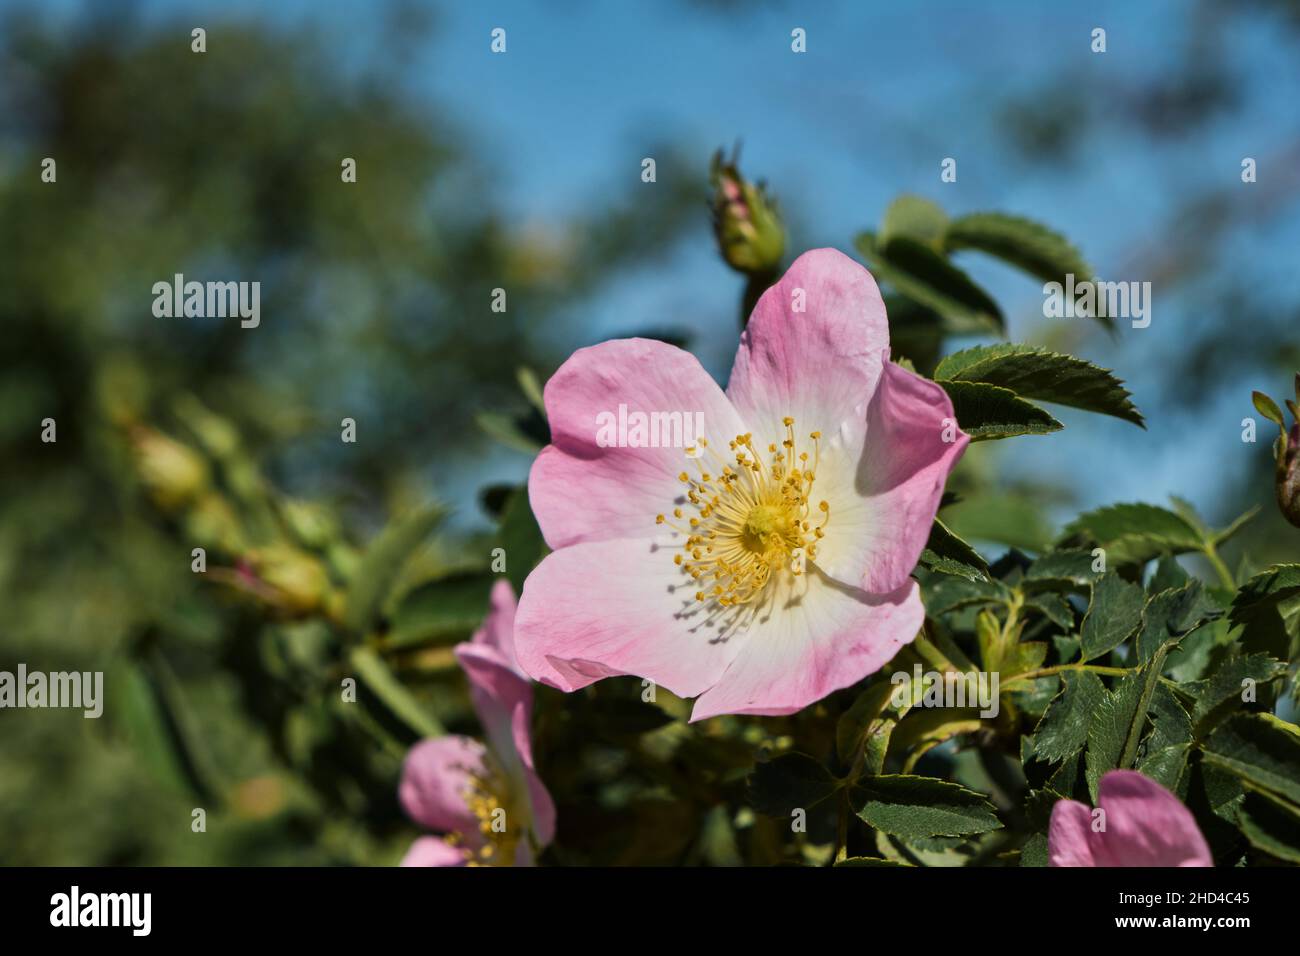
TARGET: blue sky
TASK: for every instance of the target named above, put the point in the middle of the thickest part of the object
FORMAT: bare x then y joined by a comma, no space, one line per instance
884,93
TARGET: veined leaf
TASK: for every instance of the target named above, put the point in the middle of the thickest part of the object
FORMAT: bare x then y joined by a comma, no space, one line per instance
1063,731
912,807
1135,532
1023,243
1261,749
988,411
1266,589
946,553
1033,372
923,275
1113,616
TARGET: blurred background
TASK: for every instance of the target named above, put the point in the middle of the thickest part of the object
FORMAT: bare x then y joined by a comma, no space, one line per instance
522,171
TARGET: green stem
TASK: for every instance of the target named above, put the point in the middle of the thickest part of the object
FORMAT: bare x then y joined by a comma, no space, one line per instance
1220,568
1059,668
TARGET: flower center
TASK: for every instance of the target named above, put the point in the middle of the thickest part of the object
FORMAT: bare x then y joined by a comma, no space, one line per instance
499,827
751,518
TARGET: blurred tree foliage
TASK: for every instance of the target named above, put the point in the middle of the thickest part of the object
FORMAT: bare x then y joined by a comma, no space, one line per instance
375,306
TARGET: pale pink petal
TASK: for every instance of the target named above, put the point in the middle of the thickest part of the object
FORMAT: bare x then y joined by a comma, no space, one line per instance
496,689
498,628
436,775
1146,825
819,365
581,491
431,851
539,798
605,608
1069,835
912,444
818,637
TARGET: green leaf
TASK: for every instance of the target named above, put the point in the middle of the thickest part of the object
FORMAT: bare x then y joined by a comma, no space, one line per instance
912,807
989,411
852,727
923,275
1063,731
1135,532
375,676
1224,686
382,563
789,782
1172,613
1023,243
1113,616
1261,749
521,539
950,593
508,431
531,386
1266,589
1069,567
1109,730
1271,825
1230,531
440,611
1268,408
1166,765
1054,607
914,217
946,553
1033,372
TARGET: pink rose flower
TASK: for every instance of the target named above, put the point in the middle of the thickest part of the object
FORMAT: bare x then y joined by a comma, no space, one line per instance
1143,825
488,800
767,563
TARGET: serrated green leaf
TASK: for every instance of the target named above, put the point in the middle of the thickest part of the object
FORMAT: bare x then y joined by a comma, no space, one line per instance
1225,684
924,276
1063,731
1135,532
911,807
1173,613
1109,730
1266,589
1071,567
949,593
1271,825
1037,373
1114,615
988,411
1053,607
1023,243
1166,765
1261,749
946,553
382,563
789,782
